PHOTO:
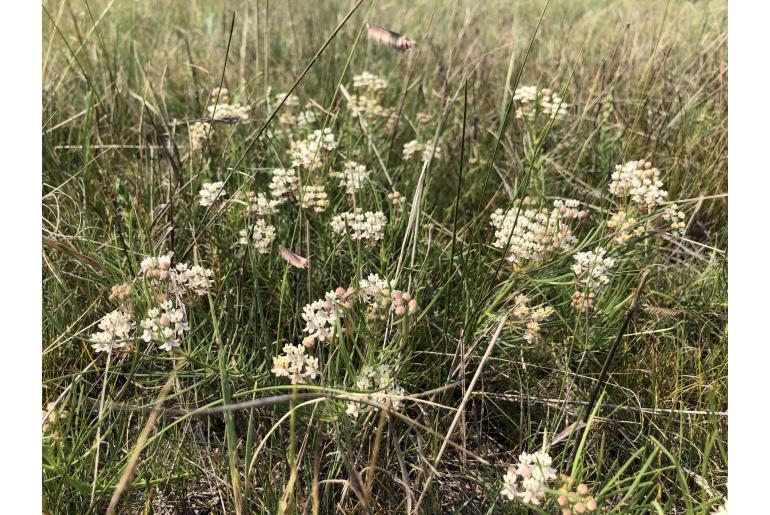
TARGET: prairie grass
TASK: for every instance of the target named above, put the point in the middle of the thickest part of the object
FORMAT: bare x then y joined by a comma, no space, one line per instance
123,84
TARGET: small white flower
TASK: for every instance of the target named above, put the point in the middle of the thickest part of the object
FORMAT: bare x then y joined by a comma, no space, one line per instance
593,269
360,226
532,235
284,185
191,280
321,318
352,178
262,236
116,327
639,181
369,81
533,101
165,325
295,364
314,198
211,192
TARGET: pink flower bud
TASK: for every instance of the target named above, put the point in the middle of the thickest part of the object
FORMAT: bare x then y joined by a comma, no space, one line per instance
562,500
400,311
580,507
591,505
582,489
412,306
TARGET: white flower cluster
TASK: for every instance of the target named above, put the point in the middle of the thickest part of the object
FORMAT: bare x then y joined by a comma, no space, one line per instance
397,200
362,105
593,269
369,81
115,331
535,471
314,198
531,235
360,226
184,279
191,279
165,325
321,318
295,364
262,236
198,133
156,267
224,112
381,380
305,119
352,178
307,153
625,226
284,185
211,192
531,318
291,100
414,146
533,101
258,203
640,181
675,218
382,297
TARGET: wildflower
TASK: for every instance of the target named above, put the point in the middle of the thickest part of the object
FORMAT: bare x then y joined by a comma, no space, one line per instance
531,318
257,203
156,267
165,325
412,148
116,328
624,226
385,389
578,500
188,280
321,318
510,488
295,364
211,192
305,119
291,100
382,298
314,197
397,200
428,152
423,118
535,472
229,113
284,185
533,101
639,181
365,106
306,153
198,131
532,235
352,178
369,81
675,218
360,226
120,293
262,236
592,269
